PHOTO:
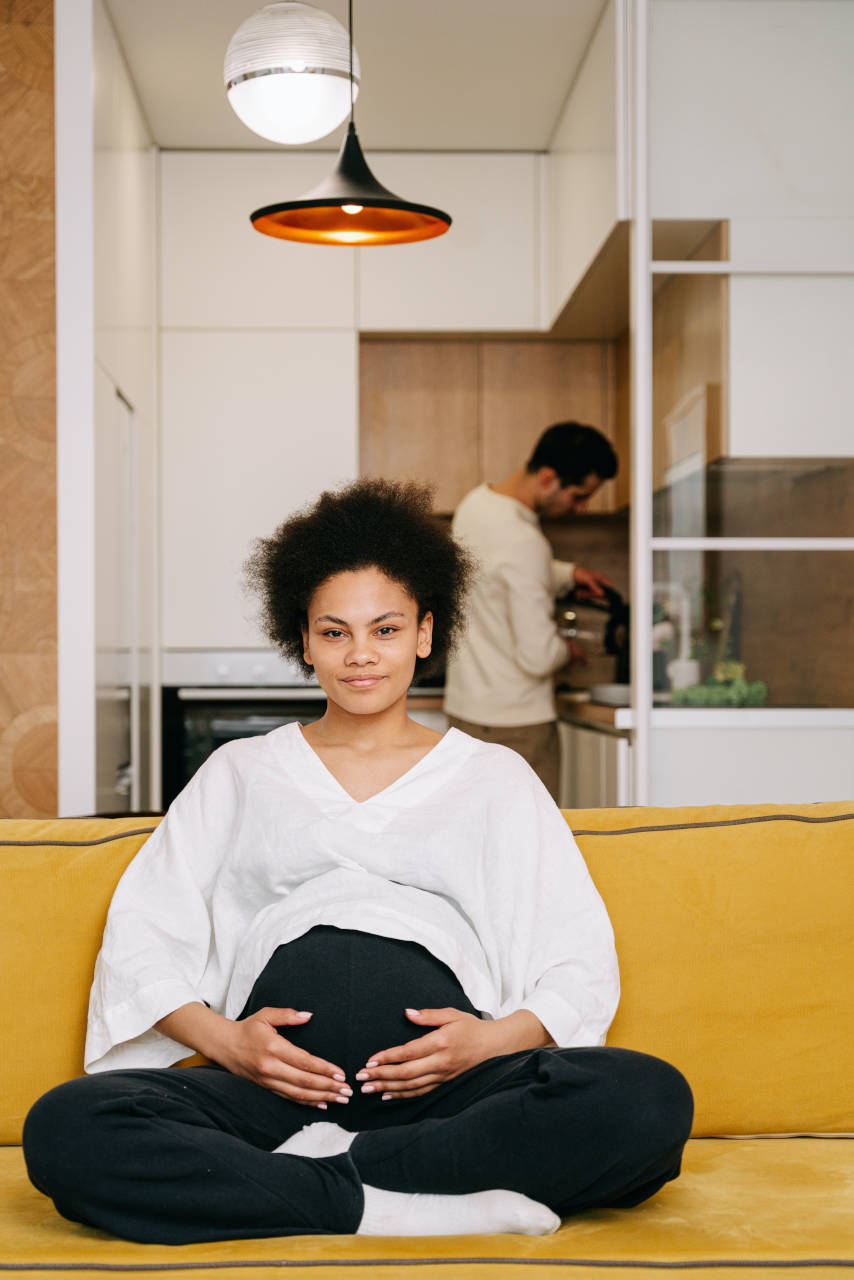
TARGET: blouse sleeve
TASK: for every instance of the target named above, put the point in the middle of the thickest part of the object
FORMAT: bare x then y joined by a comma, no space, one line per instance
559,959
157,938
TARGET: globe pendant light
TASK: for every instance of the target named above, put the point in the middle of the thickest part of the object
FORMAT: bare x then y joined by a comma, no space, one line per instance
350,207
289,72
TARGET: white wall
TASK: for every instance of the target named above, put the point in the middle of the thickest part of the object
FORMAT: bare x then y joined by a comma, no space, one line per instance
582,167
751,119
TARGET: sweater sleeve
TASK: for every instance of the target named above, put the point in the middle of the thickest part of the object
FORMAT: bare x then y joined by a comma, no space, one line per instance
526,572
563,577
157,938
558,952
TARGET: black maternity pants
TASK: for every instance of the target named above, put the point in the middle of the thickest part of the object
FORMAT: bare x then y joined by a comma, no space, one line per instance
176,1155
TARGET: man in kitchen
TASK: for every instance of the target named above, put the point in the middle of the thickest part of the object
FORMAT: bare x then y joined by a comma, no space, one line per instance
498,684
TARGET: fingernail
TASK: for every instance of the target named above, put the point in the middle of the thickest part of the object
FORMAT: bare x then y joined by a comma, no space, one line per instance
346,1090
303,1013
368,1088
411,1011
340,1100
386,1097
361,1075
338,1076
373,1063
321,1106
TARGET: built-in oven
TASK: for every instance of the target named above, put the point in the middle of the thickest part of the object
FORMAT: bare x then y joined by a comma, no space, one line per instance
210,697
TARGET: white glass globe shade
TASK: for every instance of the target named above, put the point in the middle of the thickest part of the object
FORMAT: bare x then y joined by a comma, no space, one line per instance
287,72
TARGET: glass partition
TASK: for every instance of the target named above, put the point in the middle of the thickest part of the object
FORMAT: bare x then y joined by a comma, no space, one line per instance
753,628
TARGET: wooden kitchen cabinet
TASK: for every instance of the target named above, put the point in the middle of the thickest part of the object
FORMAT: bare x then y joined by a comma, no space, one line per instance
456,412
418,412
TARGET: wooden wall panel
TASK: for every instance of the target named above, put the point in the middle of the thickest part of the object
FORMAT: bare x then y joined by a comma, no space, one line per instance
457,412
526,386
28,738
418,414
689,352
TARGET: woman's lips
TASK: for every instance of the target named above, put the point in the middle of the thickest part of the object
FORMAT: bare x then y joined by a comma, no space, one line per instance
363,682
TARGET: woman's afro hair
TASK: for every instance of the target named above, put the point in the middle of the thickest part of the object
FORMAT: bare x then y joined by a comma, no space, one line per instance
370,523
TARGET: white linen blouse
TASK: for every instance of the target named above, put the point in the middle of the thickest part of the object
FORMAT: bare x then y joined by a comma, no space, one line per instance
465,854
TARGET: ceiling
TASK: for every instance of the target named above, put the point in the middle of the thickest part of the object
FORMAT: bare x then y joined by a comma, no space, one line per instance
437,75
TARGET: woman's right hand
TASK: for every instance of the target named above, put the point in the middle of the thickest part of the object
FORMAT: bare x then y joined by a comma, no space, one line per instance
253,1048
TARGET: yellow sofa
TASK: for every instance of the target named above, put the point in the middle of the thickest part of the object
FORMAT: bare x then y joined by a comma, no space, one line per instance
735,929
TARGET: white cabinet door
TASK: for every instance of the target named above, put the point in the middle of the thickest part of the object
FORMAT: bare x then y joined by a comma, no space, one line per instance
480,275
595,772
218,272
585,196
254,425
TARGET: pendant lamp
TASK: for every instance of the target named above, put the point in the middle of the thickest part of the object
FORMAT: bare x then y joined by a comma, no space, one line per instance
350,207
287,72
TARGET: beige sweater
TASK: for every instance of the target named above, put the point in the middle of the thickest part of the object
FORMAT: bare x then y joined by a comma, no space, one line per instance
501,673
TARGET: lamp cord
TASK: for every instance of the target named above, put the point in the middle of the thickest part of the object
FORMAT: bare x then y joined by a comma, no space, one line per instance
350,26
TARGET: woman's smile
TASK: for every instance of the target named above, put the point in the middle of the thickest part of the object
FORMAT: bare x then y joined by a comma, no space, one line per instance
362,682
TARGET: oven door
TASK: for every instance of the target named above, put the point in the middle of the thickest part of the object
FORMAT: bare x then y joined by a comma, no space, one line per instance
198,720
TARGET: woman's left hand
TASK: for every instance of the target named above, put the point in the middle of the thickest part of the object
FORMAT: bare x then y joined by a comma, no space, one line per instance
459,1042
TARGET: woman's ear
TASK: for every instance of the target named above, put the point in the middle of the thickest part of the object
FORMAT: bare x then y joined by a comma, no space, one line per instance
425,636
306,652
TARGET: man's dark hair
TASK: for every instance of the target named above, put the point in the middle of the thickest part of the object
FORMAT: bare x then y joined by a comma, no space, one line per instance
574,451
370,523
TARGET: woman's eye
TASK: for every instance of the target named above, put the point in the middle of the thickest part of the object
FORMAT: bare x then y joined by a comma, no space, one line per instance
387,631
333,633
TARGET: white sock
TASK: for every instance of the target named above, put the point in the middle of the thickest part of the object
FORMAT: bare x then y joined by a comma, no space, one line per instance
319,1139
403,1213
399,1213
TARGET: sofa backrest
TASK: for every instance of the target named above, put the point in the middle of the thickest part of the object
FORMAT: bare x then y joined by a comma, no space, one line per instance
733,926
735,932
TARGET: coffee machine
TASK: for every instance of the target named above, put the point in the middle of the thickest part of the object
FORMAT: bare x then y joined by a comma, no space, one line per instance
611,636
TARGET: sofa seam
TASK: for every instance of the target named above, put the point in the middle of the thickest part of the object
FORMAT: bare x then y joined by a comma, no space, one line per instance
690,1264
121,835
720,822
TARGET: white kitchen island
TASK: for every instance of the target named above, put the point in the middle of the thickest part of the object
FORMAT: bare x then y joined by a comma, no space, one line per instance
774,755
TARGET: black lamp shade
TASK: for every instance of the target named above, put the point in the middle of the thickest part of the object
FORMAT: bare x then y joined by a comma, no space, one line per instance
351,208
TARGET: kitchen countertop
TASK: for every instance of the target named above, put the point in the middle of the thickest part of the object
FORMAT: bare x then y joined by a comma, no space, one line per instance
620,720
593,715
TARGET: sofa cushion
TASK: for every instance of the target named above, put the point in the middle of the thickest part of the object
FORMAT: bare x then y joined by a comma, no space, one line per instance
58,878
765,1203
736,946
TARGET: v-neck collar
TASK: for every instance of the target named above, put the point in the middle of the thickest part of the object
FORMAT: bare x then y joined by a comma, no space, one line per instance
333,782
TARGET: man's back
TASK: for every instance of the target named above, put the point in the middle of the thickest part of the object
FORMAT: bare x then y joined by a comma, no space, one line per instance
501,673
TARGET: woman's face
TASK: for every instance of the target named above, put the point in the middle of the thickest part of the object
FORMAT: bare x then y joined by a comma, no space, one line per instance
362,638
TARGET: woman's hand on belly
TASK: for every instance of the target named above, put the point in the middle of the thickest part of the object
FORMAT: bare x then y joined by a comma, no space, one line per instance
253,1048
459,1043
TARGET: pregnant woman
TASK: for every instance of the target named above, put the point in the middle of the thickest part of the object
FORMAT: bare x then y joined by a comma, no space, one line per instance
383,939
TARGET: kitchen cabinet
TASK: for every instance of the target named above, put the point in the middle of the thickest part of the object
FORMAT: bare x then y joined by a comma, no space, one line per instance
586,188
595,767
418,415
217,272
456,413
483,274
254,425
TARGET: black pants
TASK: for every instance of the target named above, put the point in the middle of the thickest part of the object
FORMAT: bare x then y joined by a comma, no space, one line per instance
177,1155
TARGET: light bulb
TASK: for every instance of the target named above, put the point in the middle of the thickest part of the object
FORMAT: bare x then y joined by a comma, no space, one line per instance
287,72
352,208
